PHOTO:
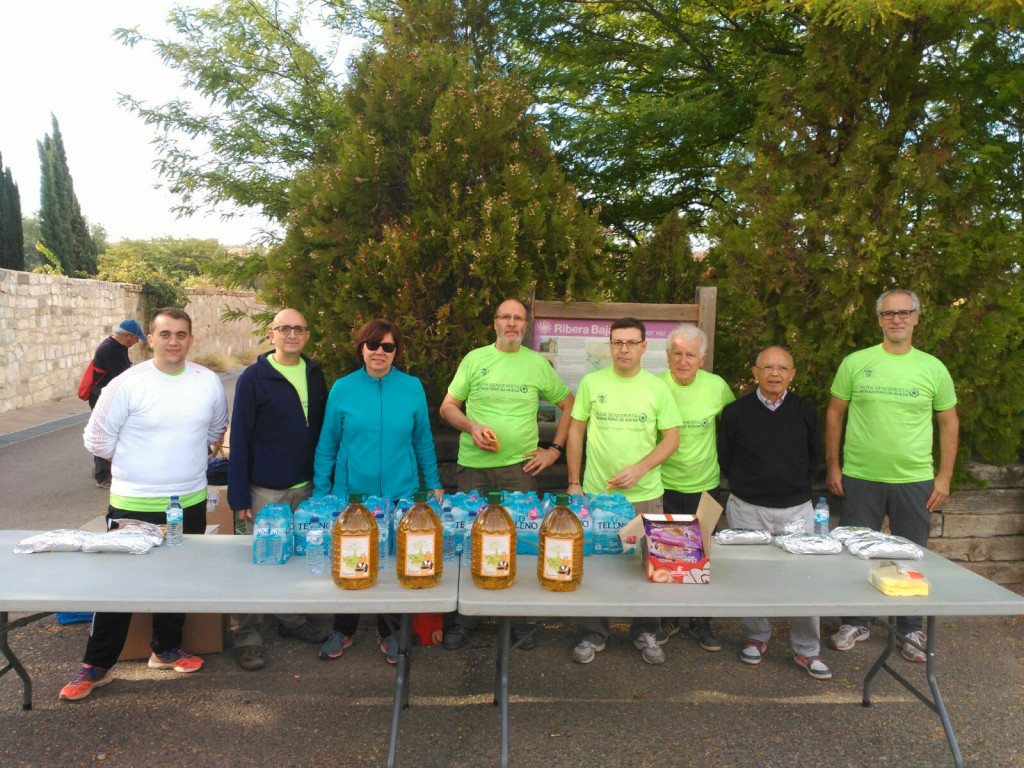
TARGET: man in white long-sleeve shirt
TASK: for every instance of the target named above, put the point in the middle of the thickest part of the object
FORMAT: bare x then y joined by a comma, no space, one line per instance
155,422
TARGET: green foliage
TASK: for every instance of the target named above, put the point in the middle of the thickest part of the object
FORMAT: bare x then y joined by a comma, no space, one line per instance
30,227
661,269
63,229
269,100
867,167
162,266
443,199
50,265
11,235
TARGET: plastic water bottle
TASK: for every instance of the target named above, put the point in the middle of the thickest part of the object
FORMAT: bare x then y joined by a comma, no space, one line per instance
821,516
175,523
315,546
261,554
278,532
448,524
467,545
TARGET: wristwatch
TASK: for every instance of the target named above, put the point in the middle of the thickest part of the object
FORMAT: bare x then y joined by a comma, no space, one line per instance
557,447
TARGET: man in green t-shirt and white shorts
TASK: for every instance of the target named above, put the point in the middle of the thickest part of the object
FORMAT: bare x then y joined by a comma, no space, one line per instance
887,395
631,424
500,387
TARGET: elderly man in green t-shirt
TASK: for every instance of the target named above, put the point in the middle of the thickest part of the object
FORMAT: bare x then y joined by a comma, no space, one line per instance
693,469
500,387
887,395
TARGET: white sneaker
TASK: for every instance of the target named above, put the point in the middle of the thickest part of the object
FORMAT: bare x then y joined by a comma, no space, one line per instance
848,636
912,652
585,652
651,652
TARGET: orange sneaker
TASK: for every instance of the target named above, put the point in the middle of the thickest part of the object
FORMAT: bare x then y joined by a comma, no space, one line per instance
176,659
88,677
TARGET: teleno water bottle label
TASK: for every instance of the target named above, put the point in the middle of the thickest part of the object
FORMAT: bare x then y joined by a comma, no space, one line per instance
419,554
495,551
355,557
558,559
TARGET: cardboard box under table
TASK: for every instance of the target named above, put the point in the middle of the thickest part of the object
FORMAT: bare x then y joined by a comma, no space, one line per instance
202,633
675,549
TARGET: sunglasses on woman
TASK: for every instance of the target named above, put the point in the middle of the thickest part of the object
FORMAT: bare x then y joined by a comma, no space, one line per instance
387,346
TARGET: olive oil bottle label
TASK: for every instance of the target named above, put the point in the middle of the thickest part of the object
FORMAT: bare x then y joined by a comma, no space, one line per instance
355,557
495,555
558,559
419,554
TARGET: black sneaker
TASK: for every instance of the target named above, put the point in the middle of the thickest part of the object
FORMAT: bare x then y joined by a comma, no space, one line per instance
526,636
457,637
306,633
701,629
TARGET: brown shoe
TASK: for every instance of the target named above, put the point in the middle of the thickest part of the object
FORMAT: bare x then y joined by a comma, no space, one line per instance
250,658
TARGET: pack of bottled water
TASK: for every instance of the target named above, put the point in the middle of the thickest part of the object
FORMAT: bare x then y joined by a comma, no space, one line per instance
272,535
608,513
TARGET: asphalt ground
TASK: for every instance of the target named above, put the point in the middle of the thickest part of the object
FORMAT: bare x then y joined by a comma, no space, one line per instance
697,709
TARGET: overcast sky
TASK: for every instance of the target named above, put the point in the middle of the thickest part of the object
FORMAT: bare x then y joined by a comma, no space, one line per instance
60,56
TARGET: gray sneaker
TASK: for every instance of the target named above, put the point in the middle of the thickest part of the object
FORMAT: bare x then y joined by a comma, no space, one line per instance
649,648
701,630
585,652
848,636
912,652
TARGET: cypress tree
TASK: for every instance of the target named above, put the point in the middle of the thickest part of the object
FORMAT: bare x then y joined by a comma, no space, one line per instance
11,254
63,229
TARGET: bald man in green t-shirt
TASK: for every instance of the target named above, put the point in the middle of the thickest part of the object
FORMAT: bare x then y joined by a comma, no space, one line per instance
887,395
500,387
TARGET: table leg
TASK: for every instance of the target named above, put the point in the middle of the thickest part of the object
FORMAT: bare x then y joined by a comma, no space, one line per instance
12,659
501,682
935,703
401,682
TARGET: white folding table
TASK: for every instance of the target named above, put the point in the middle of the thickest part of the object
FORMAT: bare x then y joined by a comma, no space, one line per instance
758,580
208,574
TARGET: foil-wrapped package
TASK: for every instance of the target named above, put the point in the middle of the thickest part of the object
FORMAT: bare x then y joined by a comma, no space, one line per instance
808,544
843,533
129,541
877,545
154,531
743,536
61,540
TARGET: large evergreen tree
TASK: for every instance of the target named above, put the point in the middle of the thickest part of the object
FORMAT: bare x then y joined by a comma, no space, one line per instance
11,234
63,229
443,199
878,158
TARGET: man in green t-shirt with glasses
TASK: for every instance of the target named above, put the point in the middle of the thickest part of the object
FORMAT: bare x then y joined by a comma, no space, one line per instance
500,387
887,395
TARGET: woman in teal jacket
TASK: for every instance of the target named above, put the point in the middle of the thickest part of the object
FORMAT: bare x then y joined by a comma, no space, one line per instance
375,440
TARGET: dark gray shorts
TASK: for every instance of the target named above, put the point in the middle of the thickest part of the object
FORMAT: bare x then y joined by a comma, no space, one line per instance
868,503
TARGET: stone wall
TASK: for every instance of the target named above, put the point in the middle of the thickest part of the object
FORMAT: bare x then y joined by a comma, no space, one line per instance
50,327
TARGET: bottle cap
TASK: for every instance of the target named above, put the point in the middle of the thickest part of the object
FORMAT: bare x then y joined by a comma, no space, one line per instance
419,496
494,496
355,498
561,499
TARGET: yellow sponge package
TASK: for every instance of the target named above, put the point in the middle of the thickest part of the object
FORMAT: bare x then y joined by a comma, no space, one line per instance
891,578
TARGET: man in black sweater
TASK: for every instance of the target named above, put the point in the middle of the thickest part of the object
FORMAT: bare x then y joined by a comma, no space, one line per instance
109,361
769,442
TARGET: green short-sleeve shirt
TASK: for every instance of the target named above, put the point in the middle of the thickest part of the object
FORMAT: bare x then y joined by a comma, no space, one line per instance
501,390
624,417
889,432
694,466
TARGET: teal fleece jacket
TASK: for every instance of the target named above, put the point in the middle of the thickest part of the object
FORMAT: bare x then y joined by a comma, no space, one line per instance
376,438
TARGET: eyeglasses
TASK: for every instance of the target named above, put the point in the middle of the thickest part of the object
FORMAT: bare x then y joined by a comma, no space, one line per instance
631,344
288,330
902,314
387,346
774,368
510,318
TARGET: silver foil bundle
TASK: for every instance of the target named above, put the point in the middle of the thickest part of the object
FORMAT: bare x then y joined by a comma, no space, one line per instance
808,544
743,536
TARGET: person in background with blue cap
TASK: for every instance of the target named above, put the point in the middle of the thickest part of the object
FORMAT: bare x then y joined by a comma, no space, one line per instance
110,360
